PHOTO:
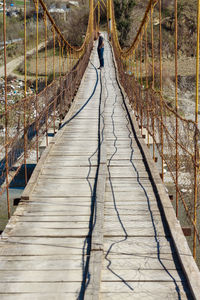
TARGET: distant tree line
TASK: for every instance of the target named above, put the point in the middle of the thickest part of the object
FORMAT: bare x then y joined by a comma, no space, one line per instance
123,11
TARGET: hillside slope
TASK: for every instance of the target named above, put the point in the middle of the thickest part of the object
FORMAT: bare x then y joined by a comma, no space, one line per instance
187,24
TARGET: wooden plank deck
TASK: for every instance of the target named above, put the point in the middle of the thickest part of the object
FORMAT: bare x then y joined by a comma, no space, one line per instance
49,250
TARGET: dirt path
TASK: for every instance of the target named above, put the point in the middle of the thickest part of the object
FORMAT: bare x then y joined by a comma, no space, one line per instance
12,65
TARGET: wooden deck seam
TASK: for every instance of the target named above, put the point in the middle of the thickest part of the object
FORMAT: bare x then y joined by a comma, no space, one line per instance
96,259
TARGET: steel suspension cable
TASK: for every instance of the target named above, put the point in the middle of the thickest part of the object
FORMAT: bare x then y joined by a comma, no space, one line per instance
6,109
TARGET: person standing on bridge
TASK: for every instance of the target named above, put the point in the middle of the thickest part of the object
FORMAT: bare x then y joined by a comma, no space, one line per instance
100,50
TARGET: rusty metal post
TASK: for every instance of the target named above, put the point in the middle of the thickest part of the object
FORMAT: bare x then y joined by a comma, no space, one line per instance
46,83
60,74
141,85
176,101
132,64
134,76
136,56
161,89
152,45
54,52
110,17
147,81
68,66
54,102
70,59
36,81
25,92
63,72
196,171
70,63
134,71
6,109
98,15
137,77
91,2
107,16
153,79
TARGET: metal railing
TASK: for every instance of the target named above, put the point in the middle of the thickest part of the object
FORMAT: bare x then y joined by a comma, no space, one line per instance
25,121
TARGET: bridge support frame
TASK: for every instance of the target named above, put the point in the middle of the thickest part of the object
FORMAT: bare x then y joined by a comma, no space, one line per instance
91,16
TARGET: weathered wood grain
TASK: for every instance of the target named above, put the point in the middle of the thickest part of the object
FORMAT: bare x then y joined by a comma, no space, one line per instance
126,249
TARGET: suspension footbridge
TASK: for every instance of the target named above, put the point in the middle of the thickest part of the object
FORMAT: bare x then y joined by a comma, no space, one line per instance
95,220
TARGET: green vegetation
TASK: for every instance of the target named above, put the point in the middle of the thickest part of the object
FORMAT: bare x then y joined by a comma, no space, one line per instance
75,27
14,28
129,14
20,2
123,11
187,24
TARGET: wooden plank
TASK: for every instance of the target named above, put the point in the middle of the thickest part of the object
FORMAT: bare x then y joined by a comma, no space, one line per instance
126,211
41,246
39,207
134,226
126,162
123,187
82,182
133,218
70,163
126,142
93,289
43,263
141,262
137,245
47,213
142,290
66,172
69,148
62,188
39,296
43,287
126,172
140,275
73,152
96,256
20,258
74,201
59,275
133,231
51,225
131,204
27,231
125,154
49,241
70,159
50,218
133,195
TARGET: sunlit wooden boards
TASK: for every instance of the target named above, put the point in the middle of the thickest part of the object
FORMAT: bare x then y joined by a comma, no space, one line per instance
45,249
139,259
